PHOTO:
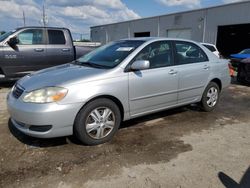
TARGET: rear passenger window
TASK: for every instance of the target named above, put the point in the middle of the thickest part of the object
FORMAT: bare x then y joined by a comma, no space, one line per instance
189,53
159,54
56,37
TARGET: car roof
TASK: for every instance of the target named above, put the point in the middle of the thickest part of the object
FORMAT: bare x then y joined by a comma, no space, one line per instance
39,27
203,43
146,39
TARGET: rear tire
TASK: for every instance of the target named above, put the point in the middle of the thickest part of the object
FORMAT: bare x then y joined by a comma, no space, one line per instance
210,97
97,122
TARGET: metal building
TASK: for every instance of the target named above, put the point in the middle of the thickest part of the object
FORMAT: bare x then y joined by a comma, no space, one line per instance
227,26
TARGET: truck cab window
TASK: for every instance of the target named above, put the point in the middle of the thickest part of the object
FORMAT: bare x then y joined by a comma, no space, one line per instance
56,37
31,36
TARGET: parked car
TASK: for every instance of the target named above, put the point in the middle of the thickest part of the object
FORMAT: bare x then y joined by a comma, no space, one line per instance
116,82
212,48
29,49
243,75
240,62
241,55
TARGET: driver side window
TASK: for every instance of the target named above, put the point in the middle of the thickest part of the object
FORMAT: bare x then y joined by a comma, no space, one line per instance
31,36
159,54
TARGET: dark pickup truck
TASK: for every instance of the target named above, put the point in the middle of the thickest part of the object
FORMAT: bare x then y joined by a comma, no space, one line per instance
28,49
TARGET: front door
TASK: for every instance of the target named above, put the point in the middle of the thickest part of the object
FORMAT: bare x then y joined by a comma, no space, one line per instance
155,88
27,56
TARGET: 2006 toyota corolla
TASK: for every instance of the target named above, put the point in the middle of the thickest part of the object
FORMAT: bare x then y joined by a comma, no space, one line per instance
116,82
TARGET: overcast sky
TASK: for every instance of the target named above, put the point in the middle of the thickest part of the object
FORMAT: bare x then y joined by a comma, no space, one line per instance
79,15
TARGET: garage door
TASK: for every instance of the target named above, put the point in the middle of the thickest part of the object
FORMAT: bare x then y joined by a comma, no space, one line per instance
233,38
179,33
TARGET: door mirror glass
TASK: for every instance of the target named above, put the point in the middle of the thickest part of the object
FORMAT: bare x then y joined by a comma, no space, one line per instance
140,65
13,41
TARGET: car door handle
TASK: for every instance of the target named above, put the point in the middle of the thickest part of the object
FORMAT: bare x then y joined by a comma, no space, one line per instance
206,67
172,72
65,49
38,49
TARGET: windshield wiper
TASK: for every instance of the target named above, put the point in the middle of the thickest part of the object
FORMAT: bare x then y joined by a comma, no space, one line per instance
90,64
75,62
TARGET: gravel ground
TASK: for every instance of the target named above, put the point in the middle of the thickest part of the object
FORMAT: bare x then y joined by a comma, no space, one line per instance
177,148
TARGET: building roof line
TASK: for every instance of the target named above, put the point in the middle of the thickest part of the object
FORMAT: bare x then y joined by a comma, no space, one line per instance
174,13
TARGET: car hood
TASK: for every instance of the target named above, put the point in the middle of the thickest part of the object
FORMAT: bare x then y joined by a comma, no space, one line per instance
240,56
59,76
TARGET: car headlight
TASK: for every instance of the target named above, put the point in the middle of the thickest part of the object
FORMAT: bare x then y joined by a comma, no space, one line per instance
46,95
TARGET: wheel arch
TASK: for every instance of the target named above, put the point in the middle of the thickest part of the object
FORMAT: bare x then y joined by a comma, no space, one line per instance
218,82
110,97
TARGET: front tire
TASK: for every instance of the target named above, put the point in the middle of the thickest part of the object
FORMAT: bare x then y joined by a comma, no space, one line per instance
210,97
97,122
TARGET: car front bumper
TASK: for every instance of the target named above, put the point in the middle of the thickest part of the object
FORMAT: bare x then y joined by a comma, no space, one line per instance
42,120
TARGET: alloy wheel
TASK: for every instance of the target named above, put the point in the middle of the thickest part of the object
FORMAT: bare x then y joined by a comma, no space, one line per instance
100,122
212,97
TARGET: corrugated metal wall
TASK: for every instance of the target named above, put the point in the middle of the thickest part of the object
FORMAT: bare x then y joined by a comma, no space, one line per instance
190,20
227,15
203,24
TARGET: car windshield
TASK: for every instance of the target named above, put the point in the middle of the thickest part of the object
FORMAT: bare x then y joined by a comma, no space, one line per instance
246,51
5,35
110,55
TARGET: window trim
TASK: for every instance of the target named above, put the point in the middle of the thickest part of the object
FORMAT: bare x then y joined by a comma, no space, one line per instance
43,35
128,67
189,43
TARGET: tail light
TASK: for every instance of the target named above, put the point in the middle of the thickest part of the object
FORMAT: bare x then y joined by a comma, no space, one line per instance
231,69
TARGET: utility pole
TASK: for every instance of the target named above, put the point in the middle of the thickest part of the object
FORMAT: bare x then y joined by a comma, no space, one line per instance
24,24
44,22
44,16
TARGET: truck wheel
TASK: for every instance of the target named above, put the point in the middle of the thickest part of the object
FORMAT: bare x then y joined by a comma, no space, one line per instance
210,97
97,122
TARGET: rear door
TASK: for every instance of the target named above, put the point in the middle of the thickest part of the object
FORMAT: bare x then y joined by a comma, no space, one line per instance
59,48
155,88
28,55
193,69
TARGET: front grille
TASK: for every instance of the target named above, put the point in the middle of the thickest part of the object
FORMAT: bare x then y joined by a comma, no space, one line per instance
17,91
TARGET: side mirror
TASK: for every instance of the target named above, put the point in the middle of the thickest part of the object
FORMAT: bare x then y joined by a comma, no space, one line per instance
13,41
140,65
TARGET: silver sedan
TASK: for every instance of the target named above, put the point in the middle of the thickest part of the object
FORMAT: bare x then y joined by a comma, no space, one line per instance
116,82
